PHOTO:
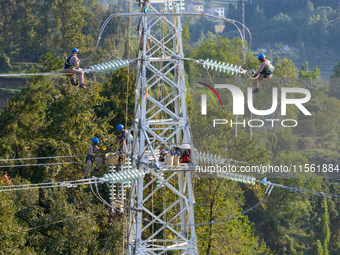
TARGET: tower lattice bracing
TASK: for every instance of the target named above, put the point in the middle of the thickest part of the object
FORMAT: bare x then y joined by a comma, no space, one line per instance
161,122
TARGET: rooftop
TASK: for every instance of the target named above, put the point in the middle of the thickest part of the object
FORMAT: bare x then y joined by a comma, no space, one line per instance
195,3
217,6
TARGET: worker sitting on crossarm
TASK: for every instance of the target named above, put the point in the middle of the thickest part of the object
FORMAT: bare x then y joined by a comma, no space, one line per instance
123,135
92,152
70,67
265,71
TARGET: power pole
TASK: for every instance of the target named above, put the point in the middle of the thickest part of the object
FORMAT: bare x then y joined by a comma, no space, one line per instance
243,21
161,119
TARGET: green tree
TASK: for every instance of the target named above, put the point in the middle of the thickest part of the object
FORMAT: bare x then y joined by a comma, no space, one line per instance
320,219
286,68
259,20
304,66
5,62
282,27
217,198
12,238
120,101
336,71
69,19
310,74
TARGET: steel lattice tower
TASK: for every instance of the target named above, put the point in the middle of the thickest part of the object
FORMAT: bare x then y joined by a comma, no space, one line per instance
161,119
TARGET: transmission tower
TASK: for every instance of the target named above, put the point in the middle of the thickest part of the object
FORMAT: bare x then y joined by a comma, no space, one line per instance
243,21
161,120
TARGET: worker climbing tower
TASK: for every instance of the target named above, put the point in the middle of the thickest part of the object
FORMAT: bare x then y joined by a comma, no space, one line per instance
161,123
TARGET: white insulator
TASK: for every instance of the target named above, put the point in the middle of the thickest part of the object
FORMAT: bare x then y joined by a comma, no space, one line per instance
115,65
101,68
118,177
207,63
106,66
112,65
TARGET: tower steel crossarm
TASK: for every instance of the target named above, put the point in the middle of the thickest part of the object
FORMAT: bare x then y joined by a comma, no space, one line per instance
161,119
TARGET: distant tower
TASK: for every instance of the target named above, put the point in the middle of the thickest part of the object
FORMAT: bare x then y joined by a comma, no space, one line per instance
243,21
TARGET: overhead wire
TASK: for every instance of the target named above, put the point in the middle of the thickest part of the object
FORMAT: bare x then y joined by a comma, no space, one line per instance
91,181
266,195
45,225
31,74
307,179
250,36
51,157
43,164
68,184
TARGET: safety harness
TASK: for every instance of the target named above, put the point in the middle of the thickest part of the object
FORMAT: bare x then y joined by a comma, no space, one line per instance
89,157
268,71
67,63
131,137
69,67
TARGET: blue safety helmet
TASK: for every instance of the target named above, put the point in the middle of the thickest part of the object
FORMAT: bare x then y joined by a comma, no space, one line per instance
95,140
75,50
261,56
120,127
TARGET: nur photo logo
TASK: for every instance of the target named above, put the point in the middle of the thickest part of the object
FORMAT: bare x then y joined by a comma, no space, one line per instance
238,105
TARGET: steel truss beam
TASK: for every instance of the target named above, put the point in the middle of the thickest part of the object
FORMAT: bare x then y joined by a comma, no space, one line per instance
160,116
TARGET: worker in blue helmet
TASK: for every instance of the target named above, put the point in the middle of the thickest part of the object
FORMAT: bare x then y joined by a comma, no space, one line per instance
92,156
265,71
125,136
72,62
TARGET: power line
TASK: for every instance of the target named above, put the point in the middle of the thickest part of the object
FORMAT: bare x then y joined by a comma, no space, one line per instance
43,164
50,157
68,184
41,226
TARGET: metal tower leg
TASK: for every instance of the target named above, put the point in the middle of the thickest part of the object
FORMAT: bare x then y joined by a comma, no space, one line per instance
161,119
